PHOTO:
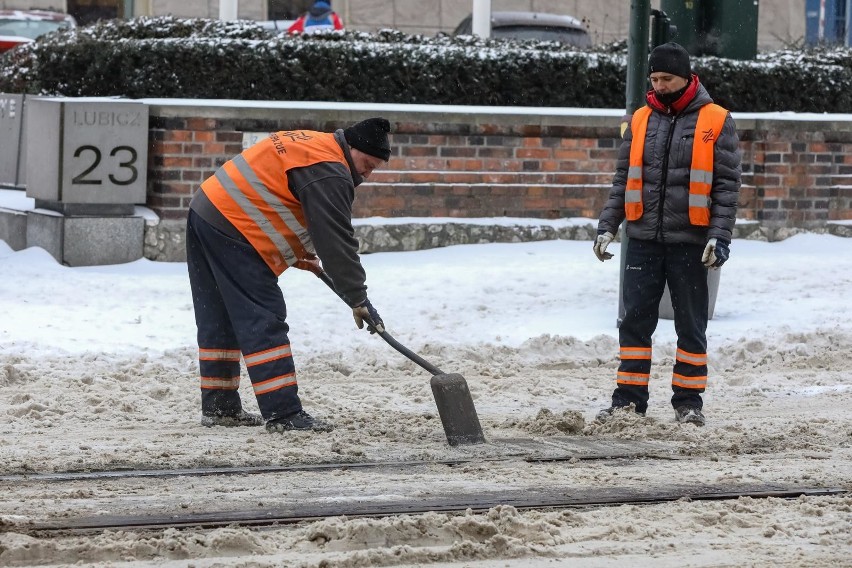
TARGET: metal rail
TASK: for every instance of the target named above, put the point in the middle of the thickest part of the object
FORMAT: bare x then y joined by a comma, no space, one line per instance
514,449
457,503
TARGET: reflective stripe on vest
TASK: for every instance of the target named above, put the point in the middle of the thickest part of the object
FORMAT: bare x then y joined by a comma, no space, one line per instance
252,192
711,119
633,190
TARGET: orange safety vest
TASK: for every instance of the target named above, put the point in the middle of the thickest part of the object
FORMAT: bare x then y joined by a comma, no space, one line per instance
252,192
711,119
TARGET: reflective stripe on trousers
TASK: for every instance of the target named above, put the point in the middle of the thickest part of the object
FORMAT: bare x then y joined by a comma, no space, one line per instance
239,308
649,267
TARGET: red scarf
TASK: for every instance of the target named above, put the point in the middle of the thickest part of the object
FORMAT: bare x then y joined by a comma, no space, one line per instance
679,104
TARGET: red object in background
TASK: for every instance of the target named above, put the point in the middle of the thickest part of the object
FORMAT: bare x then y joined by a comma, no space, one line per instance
23,26
319,17
8,42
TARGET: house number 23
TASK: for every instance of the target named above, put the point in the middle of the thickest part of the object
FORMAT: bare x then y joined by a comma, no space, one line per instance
127,172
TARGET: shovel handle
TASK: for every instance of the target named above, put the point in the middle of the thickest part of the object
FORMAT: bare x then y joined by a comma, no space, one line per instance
322,275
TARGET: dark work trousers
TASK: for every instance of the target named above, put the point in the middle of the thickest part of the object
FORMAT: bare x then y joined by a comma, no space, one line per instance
649,265
239,309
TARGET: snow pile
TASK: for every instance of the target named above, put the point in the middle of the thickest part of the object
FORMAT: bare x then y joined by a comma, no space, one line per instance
98,371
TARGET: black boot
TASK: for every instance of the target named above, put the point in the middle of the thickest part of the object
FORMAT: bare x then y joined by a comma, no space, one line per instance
242,418
299,421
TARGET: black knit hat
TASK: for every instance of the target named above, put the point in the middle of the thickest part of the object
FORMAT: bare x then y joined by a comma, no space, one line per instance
670,58
371,137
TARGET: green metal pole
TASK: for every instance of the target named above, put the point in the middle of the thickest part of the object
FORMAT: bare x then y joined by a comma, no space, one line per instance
637,54
637,86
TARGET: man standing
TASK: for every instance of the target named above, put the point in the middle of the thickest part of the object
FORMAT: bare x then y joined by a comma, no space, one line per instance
677,181
282,202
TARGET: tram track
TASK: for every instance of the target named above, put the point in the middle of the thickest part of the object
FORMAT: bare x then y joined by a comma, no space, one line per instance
296,507
501,450
288,514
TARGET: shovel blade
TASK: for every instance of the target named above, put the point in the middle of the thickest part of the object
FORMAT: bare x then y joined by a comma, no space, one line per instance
455,407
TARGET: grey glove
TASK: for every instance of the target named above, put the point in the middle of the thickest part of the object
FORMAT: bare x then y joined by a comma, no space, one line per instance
600,246
365,312
715,253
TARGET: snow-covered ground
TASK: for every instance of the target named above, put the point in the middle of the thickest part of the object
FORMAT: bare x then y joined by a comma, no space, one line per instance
98,371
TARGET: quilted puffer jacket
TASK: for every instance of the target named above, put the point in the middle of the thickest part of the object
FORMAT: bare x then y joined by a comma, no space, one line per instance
665,171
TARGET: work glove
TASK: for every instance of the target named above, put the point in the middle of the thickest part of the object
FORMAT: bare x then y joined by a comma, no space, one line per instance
715,253
600,246
310,262
366,312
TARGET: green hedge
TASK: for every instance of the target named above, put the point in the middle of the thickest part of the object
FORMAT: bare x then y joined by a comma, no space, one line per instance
197,58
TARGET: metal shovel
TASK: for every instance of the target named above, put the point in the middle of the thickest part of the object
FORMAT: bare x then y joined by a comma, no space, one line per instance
455,405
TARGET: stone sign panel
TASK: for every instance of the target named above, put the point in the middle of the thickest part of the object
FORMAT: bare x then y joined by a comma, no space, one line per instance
12,155
86,154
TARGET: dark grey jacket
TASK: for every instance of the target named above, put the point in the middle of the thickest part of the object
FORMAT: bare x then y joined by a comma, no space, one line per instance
326,191
665,188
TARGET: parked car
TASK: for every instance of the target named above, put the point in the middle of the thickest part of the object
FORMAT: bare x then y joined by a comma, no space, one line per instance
22,26
533,25
276,25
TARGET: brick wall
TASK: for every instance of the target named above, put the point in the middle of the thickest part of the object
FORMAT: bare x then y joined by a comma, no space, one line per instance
548,172
511,163
796,174
183,152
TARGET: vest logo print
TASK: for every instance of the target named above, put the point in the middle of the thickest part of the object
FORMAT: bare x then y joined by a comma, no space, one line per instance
293,136
708,136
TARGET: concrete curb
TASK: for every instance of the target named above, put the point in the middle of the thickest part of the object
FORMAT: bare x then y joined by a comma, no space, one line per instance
165,240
